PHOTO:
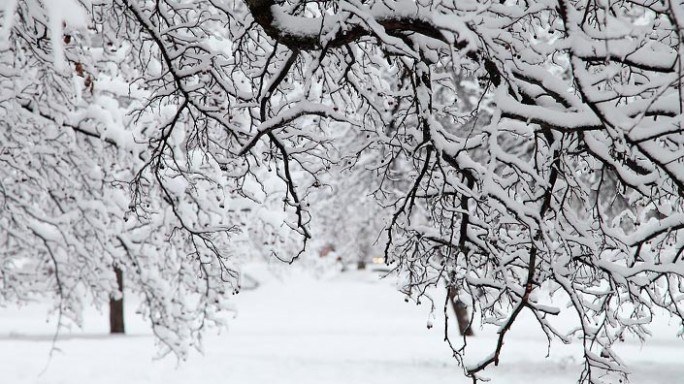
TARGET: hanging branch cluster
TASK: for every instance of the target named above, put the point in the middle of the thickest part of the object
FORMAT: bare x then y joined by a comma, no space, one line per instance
560,168
518,148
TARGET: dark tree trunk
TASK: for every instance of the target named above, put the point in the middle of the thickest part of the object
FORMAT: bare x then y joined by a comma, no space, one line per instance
461,311
116,307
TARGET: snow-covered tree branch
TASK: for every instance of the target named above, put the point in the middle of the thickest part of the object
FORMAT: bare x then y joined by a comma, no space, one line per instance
518,149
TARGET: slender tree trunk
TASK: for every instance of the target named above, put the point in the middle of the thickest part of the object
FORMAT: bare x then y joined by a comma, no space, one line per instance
461,311
116,307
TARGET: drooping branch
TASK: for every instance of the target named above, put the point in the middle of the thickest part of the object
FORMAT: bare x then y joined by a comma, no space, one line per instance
309,34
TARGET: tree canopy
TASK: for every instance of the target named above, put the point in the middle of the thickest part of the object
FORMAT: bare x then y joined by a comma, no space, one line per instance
514,149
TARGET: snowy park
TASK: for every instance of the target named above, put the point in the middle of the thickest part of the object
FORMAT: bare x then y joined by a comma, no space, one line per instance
349,327
342,191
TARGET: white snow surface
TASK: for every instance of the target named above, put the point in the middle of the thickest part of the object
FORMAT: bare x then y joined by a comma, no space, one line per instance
347,328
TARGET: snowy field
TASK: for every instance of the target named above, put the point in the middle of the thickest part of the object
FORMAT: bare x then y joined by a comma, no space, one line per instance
348,328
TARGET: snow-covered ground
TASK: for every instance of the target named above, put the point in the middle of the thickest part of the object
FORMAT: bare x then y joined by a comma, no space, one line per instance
350,328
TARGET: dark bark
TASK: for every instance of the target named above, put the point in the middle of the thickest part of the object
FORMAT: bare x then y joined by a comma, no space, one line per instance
461,311
116,307
262,11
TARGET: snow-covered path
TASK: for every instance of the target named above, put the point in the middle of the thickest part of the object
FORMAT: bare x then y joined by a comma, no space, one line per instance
348,329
